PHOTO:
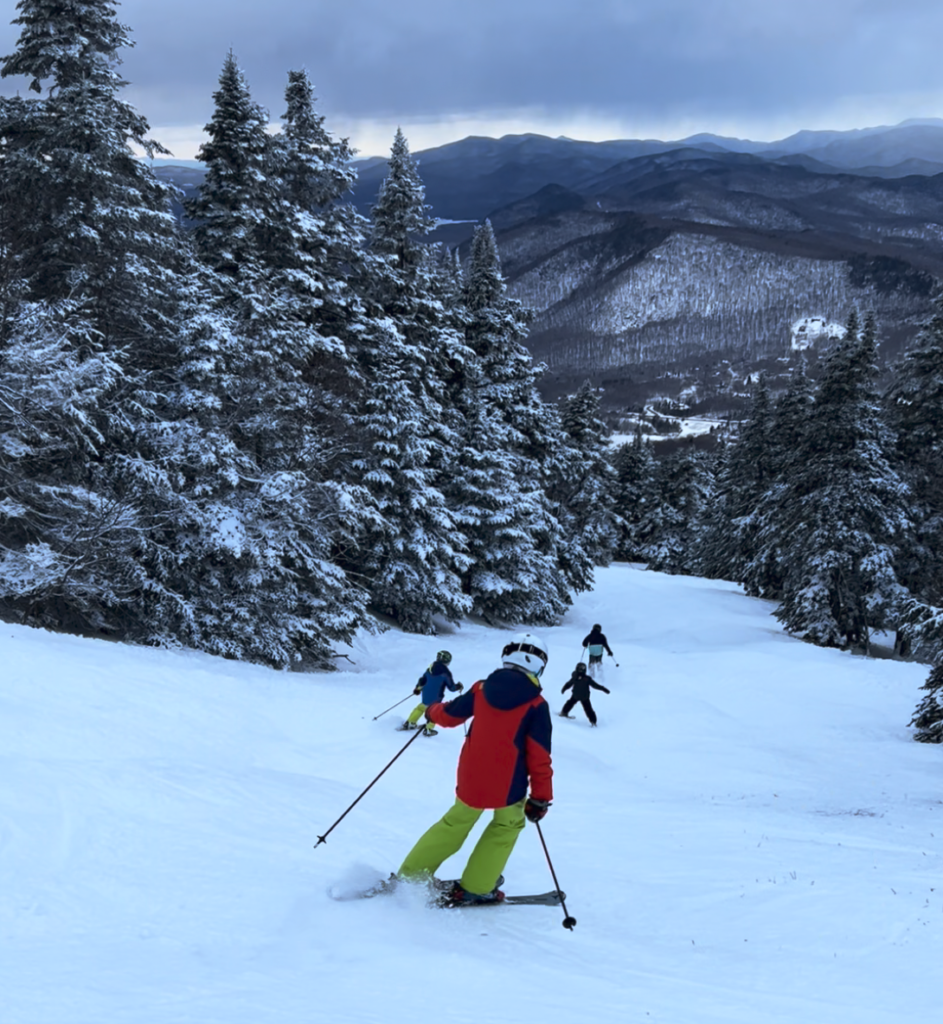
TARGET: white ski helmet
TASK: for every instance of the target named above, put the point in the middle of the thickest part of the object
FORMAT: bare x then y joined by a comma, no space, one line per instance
526,651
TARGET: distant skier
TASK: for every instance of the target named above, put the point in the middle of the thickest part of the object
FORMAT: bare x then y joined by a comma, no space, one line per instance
581,682
595,643
507,749
432,686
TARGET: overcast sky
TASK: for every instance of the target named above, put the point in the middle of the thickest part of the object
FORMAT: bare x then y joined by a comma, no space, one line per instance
591,69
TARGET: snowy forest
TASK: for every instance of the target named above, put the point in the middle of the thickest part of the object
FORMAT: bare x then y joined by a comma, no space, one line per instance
259,434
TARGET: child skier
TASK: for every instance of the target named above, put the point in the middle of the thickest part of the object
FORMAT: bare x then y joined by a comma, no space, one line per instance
507,750
432,686
595,643
581,683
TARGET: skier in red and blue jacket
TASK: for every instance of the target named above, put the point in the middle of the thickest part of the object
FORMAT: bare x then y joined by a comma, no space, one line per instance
506,752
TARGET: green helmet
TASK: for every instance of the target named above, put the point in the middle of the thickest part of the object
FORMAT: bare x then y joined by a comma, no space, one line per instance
444,656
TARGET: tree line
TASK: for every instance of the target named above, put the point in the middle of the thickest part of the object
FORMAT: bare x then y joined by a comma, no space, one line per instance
257,436
829,502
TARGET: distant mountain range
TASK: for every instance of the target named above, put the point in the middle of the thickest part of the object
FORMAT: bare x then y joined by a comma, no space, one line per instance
668,268
470,178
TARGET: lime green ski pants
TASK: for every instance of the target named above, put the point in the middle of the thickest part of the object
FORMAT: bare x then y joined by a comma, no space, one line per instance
446,836
416,714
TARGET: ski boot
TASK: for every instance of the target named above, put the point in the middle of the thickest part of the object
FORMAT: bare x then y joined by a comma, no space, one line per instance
451,894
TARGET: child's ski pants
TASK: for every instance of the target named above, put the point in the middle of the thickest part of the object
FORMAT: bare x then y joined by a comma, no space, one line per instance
491,852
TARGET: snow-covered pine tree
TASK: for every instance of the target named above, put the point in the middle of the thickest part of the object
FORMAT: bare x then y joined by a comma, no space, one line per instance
587,508
401,217
685,482
413,553
236,200
636,495
790,423
91,259
90,222
69,539
244,567
513,420
495,331
314,255
834,521
761,569
745,473
928,717
514,573
260,510
915,411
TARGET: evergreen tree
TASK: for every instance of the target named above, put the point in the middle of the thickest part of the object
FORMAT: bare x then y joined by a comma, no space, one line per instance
833,523
928,717
495,331
514,573
414,551
401,216
685,485
259,502
90,274
244,568
636,495
790,424
86,219
587,509
915,411
762,552
745,473
511,418
235,204
68,536
412,555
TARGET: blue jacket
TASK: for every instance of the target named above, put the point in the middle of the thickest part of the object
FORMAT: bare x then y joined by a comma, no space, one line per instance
434,682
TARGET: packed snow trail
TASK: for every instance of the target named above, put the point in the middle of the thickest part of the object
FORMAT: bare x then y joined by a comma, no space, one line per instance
749,835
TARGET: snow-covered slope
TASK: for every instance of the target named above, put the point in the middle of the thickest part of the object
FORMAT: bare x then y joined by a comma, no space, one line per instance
749,836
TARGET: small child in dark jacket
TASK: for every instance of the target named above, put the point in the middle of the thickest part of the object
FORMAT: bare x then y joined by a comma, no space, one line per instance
581,683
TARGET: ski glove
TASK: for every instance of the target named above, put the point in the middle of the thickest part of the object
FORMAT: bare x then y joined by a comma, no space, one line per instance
534,810
461,687
604,690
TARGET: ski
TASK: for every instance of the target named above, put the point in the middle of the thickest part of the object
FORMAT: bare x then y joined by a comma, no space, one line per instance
545,899
385,888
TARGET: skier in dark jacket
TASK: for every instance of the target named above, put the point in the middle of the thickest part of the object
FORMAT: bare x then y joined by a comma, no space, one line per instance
581,683
595,643
430,689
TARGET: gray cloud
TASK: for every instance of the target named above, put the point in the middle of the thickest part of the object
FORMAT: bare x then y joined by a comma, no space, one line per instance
745,60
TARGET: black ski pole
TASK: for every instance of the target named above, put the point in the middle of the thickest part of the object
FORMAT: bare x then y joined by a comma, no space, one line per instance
396,705
323,839
568,922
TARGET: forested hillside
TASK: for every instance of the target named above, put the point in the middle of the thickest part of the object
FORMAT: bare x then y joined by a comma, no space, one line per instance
257,434
255,431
